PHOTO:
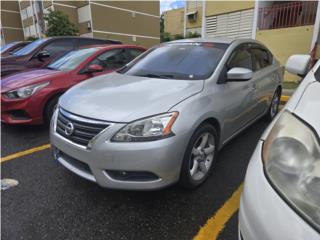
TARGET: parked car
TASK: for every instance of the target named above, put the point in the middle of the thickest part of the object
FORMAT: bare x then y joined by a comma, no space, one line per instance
43,51
281,196
30,97
163,117
12,47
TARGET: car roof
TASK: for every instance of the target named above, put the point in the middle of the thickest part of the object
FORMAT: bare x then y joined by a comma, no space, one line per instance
111,41
216,40
111,46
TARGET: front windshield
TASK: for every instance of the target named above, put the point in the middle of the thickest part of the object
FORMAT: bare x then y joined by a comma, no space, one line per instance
72,59
30,47
7,46
189,61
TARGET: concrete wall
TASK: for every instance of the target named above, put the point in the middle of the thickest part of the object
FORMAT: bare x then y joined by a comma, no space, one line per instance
174,21
284,42
220,7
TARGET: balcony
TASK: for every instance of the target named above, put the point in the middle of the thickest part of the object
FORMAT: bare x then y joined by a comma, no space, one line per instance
284,15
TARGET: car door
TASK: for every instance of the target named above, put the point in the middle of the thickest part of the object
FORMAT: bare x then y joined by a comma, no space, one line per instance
237,96
56,48
263,78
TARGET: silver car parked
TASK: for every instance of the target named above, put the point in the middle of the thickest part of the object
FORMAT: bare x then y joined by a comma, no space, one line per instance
163,117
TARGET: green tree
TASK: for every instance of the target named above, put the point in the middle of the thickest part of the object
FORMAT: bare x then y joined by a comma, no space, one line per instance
59,25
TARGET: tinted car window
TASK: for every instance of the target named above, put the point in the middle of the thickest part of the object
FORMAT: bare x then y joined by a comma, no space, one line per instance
190,61
261,58
88,42
133,53
6,46
60,45
72,59
30,47
112,59
241,58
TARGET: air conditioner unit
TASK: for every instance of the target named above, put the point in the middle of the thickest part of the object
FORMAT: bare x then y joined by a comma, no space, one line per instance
192,16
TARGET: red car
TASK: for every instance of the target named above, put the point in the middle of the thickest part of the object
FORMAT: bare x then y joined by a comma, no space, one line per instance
30,97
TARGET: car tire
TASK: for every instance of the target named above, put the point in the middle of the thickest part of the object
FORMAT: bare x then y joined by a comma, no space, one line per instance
274,105
49,109
197,157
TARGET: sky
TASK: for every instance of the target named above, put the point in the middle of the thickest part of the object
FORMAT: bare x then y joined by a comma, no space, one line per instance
171,4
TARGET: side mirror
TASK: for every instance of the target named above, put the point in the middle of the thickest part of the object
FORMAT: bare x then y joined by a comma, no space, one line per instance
43,54
94,68
238,74
298,64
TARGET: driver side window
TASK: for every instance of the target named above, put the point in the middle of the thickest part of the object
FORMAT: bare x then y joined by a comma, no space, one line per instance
59,46
112,59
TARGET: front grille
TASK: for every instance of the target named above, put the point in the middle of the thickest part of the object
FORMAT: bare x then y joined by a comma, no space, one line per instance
83,129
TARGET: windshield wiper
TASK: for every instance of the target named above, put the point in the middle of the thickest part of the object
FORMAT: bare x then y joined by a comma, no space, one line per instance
151,75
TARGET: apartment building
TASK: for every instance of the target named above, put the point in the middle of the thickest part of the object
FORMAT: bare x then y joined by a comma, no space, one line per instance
285,27
132,22
11,27
194,16
174,21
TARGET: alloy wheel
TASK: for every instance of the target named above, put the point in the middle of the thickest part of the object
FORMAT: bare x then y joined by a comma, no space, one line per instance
202,156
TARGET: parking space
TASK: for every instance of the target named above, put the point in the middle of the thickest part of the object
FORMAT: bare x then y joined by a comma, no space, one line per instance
52,203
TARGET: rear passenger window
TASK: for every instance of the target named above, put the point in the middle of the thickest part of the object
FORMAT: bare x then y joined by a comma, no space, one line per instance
241,58
58,46
88,42
133,53
112,59
262,58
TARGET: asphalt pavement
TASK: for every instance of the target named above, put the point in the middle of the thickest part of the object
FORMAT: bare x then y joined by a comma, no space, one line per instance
52,203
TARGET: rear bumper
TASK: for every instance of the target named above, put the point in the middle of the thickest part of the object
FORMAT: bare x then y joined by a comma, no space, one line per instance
263,214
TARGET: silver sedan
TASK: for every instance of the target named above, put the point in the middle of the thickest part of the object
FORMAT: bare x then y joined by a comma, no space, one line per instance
281,197
163,117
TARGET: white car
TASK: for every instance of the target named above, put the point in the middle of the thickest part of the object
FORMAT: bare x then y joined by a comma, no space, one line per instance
281,196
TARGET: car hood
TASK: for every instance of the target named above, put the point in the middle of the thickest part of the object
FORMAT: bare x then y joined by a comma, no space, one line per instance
308,106
121,98
27,78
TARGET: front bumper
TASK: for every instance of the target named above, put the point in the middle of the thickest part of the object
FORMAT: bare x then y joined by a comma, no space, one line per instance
162,158
21,111
263,214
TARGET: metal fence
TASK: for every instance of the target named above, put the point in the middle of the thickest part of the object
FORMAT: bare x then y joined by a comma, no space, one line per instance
285,15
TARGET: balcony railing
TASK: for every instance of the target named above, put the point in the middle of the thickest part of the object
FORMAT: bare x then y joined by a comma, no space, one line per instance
285,15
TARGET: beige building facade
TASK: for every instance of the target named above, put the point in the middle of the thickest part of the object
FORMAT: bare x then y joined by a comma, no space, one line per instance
11,26
132,22
174,21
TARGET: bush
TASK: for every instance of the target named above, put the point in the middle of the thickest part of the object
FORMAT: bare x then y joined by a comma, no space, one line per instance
59,25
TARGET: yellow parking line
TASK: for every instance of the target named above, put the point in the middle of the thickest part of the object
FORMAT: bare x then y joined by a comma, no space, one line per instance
217,222
25,152
285,98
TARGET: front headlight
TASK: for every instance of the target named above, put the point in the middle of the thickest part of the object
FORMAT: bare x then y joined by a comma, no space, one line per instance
25,92
291,155
148,129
